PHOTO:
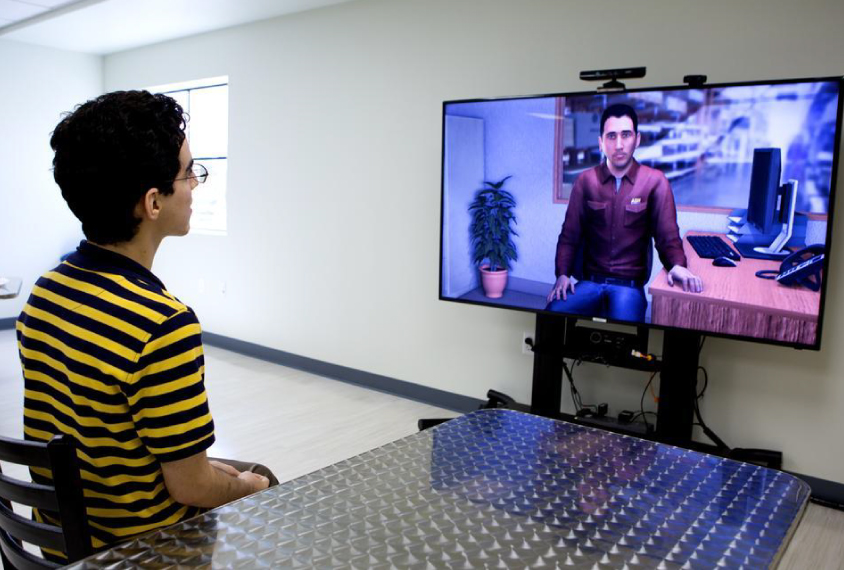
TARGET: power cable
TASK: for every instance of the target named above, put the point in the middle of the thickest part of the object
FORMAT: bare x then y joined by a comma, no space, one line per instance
576,399
642,411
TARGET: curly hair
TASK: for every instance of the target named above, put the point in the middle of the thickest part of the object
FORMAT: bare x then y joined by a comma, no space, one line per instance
109,152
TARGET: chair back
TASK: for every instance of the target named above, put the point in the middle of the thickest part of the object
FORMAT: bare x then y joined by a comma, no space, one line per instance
64,497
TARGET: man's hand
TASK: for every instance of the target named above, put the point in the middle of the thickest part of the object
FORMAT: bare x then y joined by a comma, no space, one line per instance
686,278
198,482
564,282
257,482
224,467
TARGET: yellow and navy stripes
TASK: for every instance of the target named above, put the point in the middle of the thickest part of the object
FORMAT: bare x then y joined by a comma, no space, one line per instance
113,359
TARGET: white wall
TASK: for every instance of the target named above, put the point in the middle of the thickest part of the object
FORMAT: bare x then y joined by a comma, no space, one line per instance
36,227
335,125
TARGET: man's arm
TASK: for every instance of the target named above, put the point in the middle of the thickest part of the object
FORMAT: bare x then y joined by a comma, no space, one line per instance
667,239
570,233
195,482
567,243
169,406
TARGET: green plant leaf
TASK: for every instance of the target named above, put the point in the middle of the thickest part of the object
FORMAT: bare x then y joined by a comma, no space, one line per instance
490,228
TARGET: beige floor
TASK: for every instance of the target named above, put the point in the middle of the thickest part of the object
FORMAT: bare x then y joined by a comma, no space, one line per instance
295,422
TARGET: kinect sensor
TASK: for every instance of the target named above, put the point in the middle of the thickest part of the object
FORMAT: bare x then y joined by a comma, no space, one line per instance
610,74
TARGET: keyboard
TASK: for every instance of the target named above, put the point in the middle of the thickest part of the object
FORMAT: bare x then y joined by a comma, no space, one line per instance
710,247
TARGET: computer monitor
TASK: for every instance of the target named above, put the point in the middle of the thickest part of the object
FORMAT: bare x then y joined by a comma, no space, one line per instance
764,188
525,180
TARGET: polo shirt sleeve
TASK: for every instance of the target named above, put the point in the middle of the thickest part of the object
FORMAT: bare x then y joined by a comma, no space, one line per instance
166,394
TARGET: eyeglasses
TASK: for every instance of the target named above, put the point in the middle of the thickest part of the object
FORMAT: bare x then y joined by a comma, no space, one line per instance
197,171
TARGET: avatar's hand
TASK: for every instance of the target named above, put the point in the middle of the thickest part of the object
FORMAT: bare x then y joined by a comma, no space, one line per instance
564,283
686,278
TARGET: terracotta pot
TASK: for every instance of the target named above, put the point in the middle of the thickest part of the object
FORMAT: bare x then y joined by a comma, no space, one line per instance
493,282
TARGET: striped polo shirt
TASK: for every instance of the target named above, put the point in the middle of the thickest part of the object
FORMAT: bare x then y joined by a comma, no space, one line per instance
113,359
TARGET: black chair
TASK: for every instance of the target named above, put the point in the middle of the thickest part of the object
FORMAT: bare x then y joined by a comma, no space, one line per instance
64,498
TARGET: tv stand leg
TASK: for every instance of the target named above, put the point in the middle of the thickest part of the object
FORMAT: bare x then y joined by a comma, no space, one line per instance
548,350
678,387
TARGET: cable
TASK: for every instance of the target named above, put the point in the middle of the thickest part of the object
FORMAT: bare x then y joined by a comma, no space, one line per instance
576,399
709,433
575,395
642,402
642,415
705,382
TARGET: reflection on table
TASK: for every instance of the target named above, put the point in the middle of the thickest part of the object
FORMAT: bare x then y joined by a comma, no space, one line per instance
497,488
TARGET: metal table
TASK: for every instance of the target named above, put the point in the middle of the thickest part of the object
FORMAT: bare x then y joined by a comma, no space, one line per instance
497,488
10,287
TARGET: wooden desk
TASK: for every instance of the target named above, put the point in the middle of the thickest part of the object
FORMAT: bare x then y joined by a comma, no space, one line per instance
735,301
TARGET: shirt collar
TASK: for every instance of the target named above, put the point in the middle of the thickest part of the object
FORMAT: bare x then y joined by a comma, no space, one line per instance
605,175
91,256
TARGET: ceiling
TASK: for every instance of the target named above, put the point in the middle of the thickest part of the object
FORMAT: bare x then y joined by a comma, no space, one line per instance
13,11
107,26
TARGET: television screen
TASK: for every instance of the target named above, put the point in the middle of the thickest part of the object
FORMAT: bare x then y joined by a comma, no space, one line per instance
705,208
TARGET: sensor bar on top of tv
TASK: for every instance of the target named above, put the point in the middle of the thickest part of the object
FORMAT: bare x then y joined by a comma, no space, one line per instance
606,74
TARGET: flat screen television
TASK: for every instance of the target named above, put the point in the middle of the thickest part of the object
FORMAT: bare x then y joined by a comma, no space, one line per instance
634,196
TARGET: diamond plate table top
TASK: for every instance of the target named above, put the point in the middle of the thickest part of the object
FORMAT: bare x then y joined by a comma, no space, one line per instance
496,489
9,287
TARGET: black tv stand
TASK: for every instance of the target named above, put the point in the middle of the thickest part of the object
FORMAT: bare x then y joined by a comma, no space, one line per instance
556,338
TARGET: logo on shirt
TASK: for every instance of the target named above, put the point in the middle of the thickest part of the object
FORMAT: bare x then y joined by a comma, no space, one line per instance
635,200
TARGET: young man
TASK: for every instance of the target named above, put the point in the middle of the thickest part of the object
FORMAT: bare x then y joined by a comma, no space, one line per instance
109,356
614,211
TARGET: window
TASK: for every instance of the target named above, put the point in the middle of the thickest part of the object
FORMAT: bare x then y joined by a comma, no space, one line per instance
206,101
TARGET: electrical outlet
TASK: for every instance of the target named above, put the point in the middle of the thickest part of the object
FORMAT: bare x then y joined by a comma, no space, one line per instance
526,348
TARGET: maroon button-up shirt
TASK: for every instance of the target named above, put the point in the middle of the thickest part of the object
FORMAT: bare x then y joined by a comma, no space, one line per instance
615,227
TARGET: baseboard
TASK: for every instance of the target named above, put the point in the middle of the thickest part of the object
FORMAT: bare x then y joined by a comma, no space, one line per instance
825,493
423,394
8,323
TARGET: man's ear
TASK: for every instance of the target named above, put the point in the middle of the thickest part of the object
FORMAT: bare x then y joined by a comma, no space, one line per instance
638,140
149,206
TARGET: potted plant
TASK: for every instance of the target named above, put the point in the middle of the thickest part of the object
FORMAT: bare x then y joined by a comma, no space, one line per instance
491,234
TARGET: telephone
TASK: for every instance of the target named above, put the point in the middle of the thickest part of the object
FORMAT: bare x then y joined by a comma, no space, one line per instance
802,267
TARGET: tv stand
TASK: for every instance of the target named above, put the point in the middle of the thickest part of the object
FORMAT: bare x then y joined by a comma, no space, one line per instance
678,387
556,338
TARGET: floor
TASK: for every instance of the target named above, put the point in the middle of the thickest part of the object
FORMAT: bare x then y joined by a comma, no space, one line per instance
295,423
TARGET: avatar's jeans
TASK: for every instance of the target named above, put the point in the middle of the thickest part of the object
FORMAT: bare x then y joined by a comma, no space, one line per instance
603,300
